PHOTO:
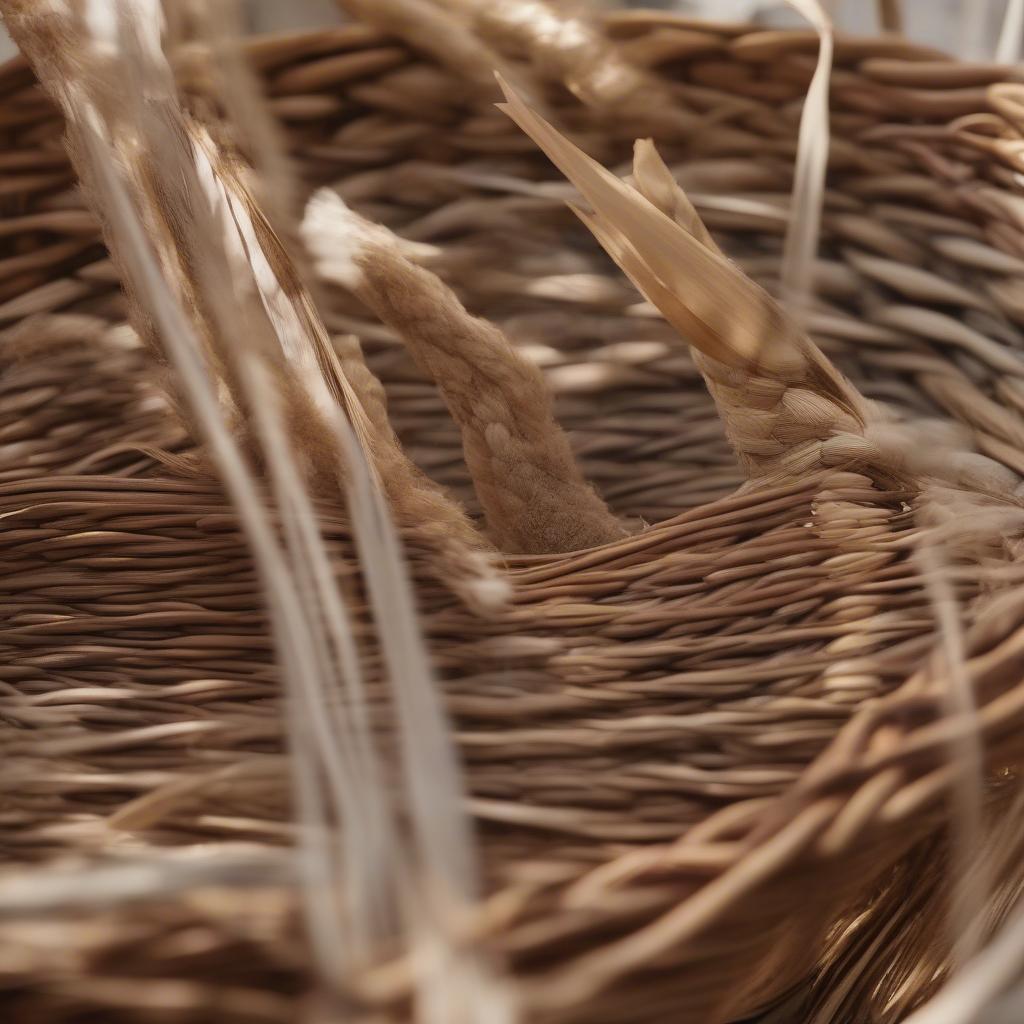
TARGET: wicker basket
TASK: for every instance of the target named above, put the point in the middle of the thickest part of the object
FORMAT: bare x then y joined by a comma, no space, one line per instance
714,764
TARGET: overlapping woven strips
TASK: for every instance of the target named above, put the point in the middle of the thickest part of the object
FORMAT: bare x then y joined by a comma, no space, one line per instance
719,741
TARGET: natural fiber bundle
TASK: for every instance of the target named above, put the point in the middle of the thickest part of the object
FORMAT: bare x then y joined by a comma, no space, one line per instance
716,710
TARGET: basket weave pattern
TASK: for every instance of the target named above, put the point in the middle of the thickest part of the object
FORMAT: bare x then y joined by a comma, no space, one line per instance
709,760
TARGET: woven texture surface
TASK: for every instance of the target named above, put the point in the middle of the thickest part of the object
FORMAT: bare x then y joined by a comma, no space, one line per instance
710,762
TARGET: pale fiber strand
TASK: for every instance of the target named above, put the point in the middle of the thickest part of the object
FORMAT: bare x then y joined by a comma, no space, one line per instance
434,798
233,267
273,177
981,981
372,843
308,733
296,631
1008,45
419,504
308,369
804,228
183,348
717,309
454,984
970,884
377,846
155,875
369,872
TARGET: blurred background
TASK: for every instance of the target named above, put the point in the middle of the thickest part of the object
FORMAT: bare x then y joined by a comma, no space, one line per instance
968,28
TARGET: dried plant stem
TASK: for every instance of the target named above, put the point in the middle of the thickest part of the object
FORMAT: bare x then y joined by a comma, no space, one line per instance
804,227
228,299
532,492
299,349
778,396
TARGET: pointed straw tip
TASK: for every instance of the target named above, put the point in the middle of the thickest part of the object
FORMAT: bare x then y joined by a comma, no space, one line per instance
512,97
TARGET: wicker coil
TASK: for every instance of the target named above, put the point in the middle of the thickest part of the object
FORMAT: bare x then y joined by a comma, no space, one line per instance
715,757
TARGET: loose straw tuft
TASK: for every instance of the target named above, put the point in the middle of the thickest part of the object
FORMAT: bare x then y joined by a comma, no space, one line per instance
532,492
